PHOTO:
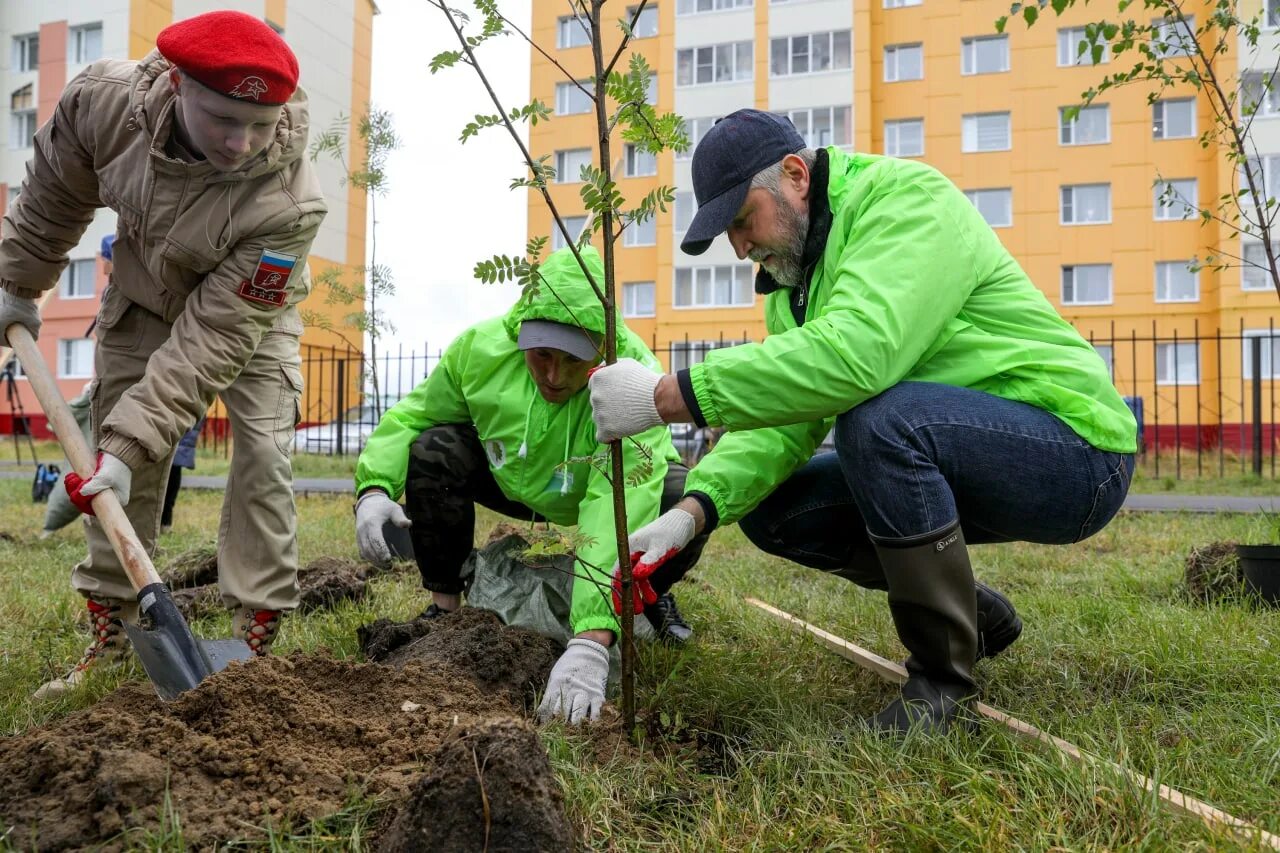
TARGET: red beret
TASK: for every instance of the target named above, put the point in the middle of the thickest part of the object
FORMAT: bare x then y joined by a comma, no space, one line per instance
234,54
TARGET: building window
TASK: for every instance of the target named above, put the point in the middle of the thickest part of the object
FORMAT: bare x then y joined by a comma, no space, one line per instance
695,129
572,31
77,280
75,358
898,4
647,26
1178,364
575,226
903,62
1086,284
1270,342
985,132
698,7
1273,14
1085,204
640,163
1072,41
651,91
1260,94
1175,282
1106,352
1254,272
26,52
641,233
1176,199
1266,175
822,126
1173,37
904,138
638,299
812,53
716,63
713,287
569,163
571,100
685,207
1173,119
1091,126
996,206
85,43
22,118
984,55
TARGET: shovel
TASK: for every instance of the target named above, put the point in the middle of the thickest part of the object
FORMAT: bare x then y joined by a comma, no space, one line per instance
173,658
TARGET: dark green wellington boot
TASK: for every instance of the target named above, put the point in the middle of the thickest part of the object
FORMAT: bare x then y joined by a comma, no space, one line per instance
933,603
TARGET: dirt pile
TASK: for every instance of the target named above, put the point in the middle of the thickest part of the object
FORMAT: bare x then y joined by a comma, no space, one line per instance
324,583
274,741
1213,572
511,661
492,789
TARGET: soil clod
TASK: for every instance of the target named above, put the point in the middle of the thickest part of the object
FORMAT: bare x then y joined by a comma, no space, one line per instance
1213,572
492,789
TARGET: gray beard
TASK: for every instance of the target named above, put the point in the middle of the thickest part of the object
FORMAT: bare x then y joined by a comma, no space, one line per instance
786,266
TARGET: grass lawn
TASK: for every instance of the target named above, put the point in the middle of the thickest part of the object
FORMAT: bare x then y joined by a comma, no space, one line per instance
1112,659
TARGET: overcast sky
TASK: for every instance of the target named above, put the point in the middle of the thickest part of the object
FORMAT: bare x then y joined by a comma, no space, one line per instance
448,204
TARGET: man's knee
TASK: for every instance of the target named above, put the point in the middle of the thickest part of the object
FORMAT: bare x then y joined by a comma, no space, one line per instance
444,458
883,422
756,526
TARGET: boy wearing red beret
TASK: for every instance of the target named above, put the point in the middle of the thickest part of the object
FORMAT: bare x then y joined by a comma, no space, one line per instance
200,149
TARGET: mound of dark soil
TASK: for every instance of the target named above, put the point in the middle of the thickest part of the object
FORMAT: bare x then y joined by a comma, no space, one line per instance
492,789
272,741
192,568
324,583
512,661
1213,572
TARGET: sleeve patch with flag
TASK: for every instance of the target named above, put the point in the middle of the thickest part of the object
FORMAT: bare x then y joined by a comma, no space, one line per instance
267,286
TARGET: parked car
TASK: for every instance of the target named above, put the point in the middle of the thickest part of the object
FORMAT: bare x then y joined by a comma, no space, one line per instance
341,436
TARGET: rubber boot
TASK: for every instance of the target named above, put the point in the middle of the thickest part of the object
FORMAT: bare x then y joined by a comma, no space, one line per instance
933,604
110,644
998,622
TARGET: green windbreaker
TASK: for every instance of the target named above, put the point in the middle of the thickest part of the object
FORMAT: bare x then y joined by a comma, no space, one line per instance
482,379
913,285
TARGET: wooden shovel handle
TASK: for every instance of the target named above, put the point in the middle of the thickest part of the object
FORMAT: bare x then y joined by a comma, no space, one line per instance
137,565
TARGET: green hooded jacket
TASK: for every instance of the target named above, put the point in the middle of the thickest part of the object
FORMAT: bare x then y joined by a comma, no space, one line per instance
912,285
482,379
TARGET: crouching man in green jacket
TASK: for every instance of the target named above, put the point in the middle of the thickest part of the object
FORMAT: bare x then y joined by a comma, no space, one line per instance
965,409
503,421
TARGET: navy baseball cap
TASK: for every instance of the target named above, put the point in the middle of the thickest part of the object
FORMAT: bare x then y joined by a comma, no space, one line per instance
734,150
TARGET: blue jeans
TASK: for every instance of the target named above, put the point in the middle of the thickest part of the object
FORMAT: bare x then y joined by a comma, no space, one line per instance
920,456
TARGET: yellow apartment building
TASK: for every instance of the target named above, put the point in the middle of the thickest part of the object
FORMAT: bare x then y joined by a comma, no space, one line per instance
932,79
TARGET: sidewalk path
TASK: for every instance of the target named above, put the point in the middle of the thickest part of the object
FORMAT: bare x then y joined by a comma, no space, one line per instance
1136,503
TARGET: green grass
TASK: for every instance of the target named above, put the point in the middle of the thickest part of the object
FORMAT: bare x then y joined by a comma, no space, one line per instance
210,461
1113,659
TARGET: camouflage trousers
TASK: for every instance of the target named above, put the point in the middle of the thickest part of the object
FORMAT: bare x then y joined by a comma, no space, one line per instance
449,474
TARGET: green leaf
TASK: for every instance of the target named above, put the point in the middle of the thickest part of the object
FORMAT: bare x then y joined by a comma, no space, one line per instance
1029,14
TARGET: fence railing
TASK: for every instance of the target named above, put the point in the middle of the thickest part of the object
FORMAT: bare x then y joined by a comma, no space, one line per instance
1205,402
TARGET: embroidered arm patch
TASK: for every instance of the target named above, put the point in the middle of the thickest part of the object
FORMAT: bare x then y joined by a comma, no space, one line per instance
270,276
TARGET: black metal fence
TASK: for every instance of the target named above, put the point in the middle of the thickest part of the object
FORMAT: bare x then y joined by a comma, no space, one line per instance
1205,402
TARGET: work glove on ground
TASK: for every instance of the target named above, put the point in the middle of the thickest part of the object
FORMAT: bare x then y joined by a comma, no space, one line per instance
373,510
18,309
575,689
622,399
110,473
650,547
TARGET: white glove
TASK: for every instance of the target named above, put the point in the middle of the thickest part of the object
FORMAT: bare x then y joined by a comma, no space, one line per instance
373,510
575,689
18,309
650,547
622,399
112,474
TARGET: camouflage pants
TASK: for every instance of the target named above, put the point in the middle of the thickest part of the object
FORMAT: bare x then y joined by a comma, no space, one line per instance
449,474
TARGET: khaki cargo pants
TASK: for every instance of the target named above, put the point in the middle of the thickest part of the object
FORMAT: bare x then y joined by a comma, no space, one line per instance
257,538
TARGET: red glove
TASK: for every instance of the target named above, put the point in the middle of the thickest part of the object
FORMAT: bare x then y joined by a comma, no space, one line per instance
73,482
642,591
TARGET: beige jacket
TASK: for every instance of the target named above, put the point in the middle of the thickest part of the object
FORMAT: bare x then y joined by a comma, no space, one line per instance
221,256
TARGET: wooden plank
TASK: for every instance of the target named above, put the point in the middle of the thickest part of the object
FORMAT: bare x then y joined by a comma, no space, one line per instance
1174,799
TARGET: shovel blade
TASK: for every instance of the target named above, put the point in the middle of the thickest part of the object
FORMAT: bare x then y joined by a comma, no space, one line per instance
173,659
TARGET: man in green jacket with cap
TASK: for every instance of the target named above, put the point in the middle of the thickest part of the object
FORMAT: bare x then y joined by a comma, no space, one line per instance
965,409
503,421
